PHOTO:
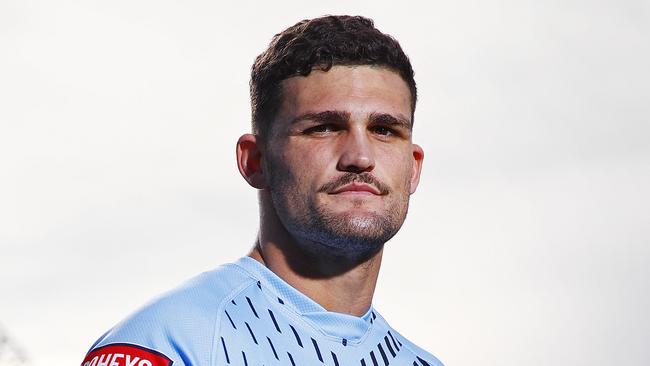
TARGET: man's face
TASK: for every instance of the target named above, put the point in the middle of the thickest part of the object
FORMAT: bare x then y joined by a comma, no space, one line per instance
339,161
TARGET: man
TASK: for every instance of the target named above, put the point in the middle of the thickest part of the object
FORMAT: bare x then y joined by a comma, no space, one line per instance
332,158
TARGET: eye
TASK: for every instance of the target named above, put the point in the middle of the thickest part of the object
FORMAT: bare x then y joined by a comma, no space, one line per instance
383,130
320,129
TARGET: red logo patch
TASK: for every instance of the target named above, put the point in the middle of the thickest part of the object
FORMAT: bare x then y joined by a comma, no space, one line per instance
122,354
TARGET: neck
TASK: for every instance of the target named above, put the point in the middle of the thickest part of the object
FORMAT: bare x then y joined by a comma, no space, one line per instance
337,284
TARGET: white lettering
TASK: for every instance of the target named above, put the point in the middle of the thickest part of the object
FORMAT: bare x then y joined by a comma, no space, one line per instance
128,360
115,357
93,362
145,363
101,361
87,363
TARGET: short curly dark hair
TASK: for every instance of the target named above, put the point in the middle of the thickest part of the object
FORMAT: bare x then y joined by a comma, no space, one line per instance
321,43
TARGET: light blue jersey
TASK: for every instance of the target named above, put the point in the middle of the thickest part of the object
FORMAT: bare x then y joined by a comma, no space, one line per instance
244,314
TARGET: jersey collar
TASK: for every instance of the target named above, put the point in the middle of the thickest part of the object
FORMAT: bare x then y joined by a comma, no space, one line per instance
334,324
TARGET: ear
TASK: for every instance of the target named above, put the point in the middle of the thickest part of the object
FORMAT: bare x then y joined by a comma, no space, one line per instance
249,160
418,158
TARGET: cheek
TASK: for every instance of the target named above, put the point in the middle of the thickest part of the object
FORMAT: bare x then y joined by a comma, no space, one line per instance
289,176
308,164
398,167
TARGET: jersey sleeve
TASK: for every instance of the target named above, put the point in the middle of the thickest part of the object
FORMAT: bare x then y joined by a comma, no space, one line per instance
422,357
176,329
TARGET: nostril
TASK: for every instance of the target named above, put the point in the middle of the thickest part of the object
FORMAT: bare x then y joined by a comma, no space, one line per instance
354,169
355,165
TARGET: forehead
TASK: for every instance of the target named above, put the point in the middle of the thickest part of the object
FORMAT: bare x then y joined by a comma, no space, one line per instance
353,89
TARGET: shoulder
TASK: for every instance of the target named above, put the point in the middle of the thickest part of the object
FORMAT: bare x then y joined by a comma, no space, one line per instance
420,356
178,326
423,357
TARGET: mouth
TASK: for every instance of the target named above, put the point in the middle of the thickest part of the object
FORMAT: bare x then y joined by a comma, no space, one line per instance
363,184
356,188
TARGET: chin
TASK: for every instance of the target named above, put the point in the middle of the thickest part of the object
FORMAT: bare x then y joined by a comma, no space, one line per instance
354,238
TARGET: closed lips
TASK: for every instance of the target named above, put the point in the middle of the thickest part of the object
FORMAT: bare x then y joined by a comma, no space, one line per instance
356,188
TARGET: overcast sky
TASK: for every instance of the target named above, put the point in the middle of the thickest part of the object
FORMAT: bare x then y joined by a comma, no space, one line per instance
527,243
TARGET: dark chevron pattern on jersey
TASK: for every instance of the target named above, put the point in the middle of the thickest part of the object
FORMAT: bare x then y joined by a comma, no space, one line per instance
244,314
246,326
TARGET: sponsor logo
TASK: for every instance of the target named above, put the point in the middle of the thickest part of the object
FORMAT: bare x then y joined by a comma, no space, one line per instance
125,355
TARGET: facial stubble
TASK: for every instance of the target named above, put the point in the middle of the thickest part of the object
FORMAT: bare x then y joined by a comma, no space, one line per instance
352,235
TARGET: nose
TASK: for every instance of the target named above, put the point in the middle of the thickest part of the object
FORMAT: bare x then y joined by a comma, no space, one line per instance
356,154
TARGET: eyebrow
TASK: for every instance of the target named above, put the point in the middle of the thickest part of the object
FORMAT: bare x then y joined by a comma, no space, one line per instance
341,116
390,120
325,116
